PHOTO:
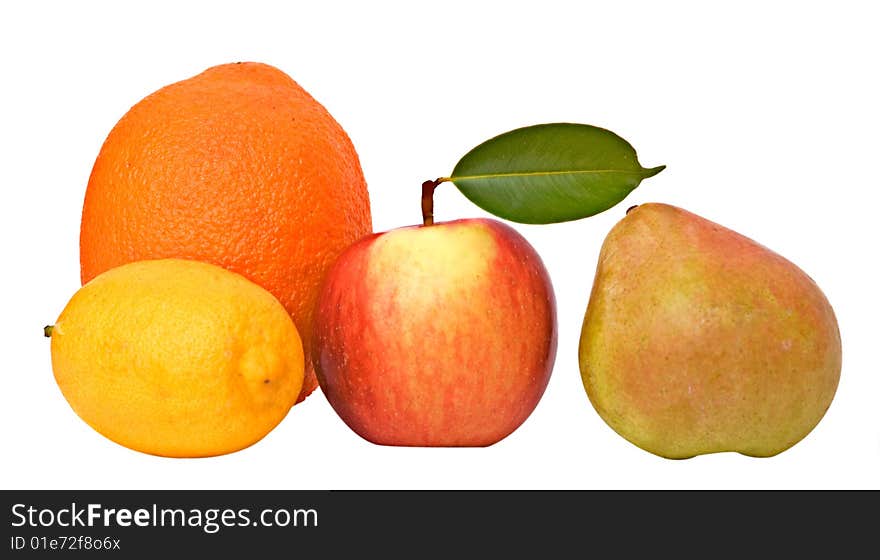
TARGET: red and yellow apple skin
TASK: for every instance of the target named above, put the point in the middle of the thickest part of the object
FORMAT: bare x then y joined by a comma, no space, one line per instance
439,335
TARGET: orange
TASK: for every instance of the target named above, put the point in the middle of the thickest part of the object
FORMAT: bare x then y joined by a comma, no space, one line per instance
237,166
177,358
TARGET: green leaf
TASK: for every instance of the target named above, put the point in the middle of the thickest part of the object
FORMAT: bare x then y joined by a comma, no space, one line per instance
550,173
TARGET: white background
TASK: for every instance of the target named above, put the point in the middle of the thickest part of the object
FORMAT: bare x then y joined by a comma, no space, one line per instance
765,113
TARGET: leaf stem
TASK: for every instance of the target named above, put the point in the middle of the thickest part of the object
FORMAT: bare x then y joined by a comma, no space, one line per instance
428,199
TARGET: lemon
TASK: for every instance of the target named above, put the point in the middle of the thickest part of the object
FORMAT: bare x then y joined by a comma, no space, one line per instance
177,358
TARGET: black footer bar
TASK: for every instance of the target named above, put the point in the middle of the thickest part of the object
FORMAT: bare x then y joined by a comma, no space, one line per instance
130,523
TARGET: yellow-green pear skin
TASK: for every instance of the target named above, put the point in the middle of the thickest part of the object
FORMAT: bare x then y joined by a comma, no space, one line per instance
699,340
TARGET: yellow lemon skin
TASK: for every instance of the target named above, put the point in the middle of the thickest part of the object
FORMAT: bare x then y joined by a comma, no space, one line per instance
177,358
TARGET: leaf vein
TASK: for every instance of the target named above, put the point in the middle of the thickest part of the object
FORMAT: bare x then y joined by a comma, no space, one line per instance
543,173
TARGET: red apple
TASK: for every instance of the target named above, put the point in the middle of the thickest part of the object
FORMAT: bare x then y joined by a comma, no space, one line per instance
436,335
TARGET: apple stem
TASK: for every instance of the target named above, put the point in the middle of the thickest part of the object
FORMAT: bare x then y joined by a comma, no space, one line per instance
428,200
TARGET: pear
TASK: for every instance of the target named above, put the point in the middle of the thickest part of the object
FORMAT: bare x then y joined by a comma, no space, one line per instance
699,340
